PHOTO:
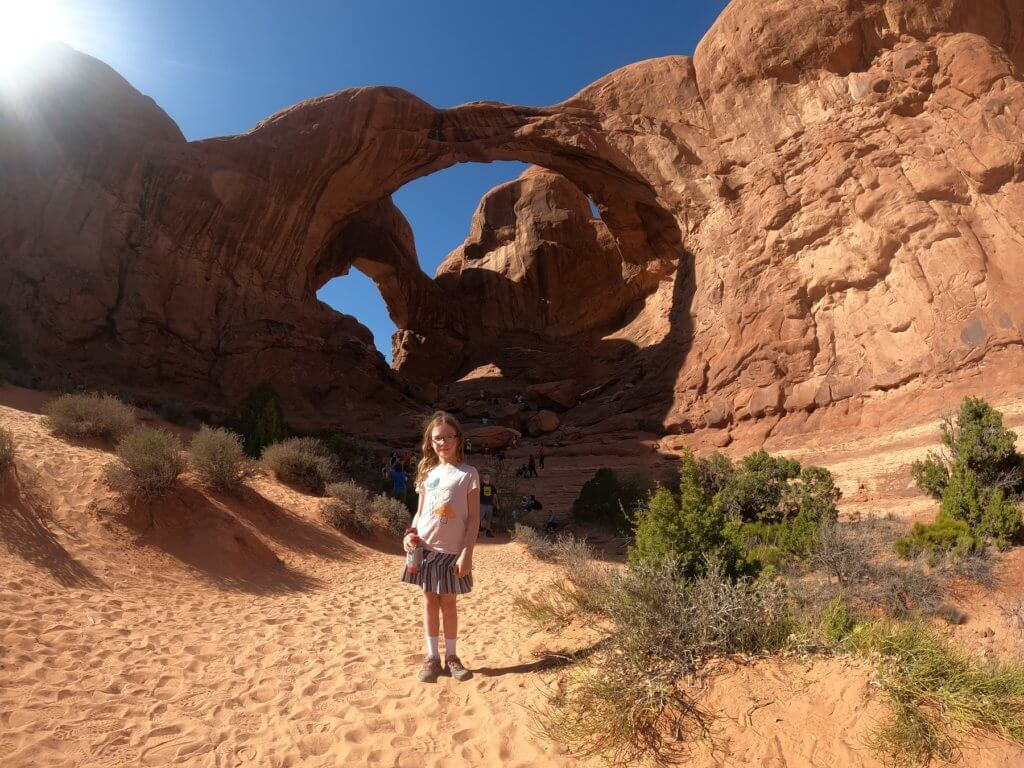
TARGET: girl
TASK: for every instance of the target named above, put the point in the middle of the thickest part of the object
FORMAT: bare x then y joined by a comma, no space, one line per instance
446,525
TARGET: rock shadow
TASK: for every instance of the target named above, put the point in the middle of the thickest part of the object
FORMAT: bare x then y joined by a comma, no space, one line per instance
207,537
25,529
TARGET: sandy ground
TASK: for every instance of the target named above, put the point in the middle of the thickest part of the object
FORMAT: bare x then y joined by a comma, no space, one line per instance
215,630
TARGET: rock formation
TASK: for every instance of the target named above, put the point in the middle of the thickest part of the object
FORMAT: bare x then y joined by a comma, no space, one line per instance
819,213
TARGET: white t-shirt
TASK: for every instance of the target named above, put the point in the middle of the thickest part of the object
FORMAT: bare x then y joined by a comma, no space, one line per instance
445,492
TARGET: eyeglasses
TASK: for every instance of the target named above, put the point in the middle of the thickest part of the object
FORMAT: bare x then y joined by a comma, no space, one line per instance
444,438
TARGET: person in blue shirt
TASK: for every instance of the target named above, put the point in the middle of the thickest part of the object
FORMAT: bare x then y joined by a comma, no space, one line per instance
398,478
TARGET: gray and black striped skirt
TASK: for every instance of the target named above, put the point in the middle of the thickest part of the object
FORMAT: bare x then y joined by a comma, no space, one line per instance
437,575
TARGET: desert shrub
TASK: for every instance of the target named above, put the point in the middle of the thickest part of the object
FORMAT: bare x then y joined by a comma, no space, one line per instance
389,514
977,473
539,545
755,490
348,506
301,461
658,630
217,458
150,463
607,499
102,416
977,440
260,420
355,459
931,475
688,531
938,693
841,553
944,535
6,448
985,510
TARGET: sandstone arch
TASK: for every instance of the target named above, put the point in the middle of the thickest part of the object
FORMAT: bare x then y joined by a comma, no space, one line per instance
832,192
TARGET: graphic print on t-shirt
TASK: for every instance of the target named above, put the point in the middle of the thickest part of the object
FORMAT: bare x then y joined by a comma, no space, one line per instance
440,500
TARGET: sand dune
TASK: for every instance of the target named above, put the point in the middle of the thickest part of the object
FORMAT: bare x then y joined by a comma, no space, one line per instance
214,630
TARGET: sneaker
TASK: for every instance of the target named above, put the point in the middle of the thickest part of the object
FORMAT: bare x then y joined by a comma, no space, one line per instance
456,670
430,671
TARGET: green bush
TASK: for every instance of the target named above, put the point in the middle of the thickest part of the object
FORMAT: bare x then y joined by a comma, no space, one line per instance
6,448
151,461
931,475
985,510
260,420
945,535
217,458
756,489
606,499
301,461
102,416
355,459
976,442
687,532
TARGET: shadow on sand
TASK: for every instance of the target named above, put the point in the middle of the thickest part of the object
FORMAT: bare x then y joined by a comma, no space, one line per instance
206,536
25,529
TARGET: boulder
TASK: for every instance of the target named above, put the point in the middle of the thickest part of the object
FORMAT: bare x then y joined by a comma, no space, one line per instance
554,394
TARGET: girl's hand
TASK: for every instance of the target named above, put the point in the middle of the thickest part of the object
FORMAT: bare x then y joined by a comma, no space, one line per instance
464,565
409,542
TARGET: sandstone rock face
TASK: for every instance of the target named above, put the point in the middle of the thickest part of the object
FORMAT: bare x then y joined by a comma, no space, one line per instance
822,211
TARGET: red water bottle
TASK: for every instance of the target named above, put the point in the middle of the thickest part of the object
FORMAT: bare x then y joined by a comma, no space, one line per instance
414,559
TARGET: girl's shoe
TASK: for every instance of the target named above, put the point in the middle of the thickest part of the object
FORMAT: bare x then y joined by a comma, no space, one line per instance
456,670
430,671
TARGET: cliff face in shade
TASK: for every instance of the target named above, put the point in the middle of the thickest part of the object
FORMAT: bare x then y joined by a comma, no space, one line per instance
821,209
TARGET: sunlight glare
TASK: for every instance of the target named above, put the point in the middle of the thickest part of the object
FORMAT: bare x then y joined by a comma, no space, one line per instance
24,25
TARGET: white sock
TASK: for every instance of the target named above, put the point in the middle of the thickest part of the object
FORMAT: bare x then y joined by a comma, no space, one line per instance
432,650
449,647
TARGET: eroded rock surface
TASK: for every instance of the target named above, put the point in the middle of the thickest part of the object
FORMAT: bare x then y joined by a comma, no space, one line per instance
820,212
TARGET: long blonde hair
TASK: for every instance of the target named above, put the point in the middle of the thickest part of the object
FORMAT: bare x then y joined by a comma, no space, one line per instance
430,458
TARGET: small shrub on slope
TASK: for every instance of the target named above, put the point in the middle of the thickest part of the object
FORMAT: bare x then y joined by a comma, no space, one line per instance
217,458
389,514
348,505
150,463
101,416
301,461
6,448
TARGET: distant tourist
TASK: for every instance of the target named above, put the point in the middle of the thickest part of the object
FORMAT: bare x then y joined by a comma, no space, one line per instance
398,481
439,543
531,467
541,453
488,503
551,524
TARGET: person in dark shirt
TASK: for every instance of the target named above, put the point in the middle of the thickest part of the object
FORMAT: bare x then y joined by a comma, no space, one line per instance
488,502
531,467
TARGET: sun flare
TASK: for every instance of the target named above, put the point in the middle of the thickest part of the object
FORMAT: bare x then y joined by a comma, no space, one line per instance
24,25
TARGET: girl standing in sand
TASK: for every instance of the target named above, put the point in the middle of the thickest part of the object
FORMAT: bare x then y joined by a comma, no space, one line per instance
445,526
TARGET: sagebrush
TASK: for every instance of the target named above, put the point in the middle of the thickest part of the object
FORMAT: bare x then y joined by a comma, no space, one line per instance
301,461
90,415
150,462
217,458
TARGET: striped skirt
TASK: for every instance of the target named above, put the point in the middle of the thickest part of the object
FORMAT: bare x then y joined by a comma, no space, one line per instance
437,575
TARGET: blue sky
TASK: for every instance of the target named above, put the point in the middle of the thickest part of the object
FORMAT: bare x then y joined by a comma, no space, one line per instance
218,67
